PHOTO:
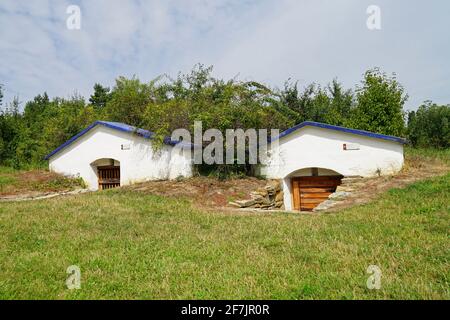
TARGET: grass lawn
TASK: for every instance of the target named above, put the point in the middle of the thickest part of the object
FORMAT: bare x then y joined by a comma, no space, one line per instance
131,245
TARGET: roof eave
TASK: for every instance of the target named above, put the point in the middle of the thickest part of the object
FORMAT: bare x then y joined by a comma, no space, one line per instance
342,129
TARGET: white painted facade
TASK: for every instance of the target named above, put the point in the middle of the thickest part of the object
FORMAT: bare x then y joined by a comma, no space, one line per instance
292,155
135,155
313,147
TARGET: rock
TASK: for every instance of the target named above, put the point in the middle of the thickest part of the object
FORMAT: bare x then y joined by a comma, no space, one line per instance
279,196
269,197
274,185
234,204
256,197
245,203
338,196
259,192
325,205
344,189
262,200
270,190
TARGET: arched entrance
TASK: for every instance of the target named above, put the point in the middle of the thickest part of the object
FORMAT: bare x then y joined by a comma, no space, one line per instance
108,173
311,186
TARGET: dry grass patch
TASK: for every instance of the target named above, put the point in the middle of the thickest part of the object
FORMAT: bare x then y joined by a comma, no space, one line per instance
34,182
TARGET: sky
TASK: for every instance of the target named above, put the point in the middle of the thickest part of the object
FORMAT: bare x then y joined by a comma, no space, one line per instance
268,41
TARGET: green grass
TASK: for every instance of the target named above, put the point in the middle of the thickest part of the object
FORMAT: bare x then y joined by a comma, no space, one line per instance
8,170
428,154
130,245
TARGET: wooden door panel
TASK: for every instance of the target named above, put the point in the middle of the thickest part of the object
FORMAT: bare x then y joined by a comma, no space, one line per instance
108,177
296,194
309,192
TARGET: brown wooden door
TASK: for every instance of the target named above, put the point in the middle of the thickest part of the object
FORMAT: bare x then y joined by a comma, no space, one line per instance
309,192
108,177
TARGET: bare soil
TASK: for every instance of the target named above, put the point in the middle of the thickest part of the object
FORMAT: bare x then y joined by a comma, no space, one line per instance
202,191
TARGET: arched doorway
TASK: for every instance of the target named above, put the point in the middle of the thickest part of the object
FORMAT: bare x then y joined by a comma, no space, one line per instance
108,173
309,187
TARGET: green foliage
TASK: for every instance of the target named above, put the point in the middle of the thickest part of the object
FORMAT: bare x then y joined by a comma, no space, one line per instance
332,105
429,126
100,97
218,104
22,182
165,104
59,183
380,102
128,101
10,125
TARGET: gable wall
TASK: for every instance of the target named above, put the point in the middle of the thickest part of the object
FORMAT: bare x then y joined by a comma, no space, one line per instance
137,164
322,148
312,147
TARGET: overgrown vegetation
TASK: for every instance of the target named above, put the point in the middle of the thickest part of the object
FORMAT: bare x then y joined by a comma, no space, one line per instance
429,126
132,245
165,104
20,182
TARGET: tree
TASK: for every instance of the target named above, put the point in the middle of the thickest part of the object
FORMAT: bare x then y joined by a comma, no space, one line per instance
129,99
332,104
1,94
165,104
100,96
429,126
11,125
341,104
380,102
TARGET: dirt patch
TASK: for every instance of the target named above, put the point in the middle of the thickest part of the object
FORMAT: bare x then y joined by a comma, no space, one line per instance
202,191
210,193
415,169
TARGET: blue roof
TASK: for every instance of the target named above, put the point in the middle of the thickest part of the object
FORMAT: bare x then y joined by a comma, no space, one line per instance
342,129
113,125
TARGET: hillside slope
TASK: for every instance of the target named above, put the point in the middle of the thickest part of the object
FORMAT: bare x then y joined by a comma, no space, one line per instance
135,245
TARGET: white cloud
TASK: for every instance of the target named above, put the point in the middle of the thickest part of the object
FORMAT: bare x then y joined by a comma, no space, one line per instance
268,41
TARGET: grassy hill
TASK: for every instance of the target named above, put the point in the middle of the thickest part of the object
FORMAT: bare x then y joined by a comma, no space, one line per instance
134,245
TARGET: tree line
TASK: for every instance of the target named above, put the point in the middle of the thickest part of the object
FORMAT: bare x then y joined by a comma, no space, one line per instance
165,104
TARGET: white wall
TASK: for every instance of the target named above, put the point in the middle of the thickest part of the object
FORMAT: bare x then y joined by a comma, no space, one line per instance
323,148
139,163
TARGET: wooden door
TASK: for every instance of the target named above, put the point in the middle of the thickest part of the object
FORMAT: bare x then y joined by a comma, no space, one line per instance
108,177
309,192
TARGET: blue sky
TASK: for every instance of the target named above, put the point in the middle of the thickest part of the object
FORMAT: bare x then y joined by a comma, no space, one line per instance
266,40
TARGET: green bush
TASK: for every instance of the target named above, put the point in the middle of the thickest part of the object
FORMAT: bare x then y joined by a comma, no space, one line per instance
429,126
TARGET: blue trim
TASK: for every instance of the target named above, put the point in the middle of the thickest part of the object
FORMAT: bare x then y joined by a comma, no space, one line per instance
342,129
113,125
